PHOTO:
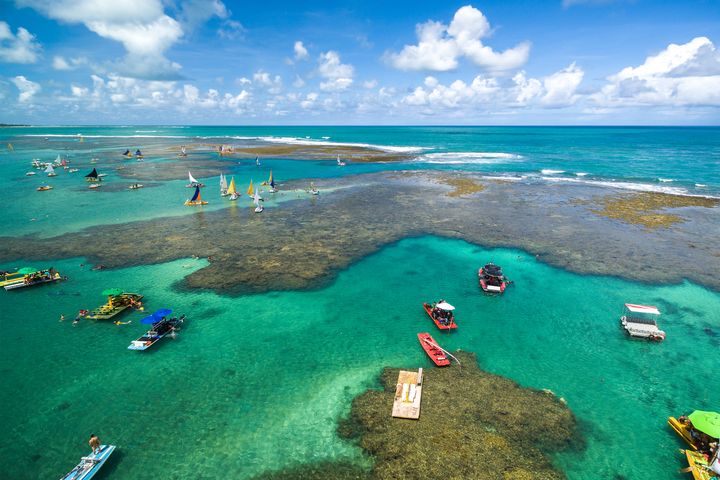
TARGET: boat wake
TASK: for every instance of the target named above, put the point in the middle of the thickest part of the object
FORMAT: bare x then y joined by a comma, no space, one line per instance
459,158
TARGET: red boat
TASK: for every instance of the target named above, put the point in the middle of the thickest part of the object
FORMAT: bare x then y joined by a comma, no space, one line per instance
432,349
492,279
441,314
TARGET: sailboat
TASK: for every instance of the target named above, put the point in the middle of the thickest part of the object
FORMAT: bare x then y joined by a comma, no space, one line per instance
93,176
58,161
193,182
182,153
313,189
64,164
257,161
250,189
196,198
340,162
223,186
138,154
232,191
256,200
272,184
127,154
10,147
50,171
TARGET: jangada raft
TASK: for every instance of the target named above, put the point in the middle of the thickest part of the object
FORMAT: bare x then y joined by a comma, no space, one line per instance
442,314
196,198
491,279
90,465
161,326
640,321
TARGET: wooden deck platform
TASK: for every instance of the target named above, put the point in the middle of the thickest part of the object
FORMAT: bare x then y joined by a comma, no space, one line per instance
106,313
408,394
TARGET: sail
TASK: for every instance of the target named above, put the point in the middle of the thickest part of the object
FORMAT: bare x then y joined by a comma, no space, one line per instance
64,163
10,147
58,159
338,159
92,174
256,198
49,169
127,152
182,150
196,197
192,179
270,180
231,189
138,153
223,183
257,161
250,189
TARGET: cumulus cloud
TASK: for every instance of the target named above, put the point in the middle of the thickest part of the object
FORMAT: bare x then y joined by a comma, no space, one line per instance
301,52
338,76
264,79
60,63
27,88
193,13
687,74
440,46
18,48
141,26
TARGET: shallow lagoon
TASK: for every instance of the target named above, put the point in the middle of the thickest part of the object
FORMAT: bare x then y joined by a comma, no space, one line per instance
258,382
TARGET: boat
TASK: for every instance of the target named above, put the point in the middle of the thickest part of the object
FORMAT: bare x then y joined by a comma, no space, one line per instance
700,466
182,153
58,161
36,278
313,189
441,313
232,190
138,154
30,174
193,182
640,321
256,200
94,186
94,160
90,465
682,428
72,170
433,350
64,164
15,277
257,161
93,176
700,429
161,327
135,186
10,147
36,163
225,150
196,198
43,188
117,302
340,162
127,154
491,279
50,171
223,186
272,185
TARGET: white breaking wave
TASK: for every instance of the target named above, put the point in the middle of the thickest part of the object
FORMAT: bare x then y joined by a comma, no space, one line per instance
665,180
634,186
581,174
57,135
700,185
309,141
458,158
549,171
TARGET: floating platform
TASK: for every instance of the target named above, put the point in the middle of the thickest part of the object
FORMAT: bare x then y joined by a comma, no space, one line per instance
408,394
106,312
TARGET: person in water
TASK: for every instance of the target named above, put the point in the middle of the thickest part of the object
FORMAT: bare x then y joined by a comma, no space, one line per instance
94,443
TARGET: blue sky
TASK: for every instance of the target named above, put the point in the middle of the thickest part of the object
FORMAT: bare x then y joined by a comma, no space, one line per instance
360,62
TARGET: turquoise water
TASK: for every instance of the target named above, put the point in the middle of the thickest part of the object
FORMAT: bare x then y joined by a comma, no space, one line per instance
257,382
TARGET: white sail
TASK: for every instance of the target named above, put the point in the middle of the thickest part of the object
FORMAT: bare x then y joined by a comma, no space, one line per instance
257,161
182,150
49,169
192,179
256,198
58,159
223,183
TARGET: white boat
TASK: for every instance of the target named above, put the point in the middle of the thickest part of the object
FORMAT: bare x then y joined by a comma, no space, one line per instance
58,161
95,185
256,200
30,174
90,465
313,189
641,321
135,186
72,170
193,182
340,162
50,171
182,153
223,186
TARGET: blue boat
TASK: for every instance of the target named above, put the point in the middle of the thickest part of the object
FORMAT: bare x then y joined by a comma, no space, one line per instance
161,326
90,465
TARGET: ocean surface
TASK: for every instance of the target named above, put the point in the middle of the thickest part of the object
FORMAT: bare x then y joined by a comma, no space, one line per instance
258,382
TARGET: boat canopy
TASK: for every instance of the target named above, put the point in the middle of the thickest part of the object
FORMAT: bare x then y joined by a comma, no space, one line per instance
92,174
492,270
163,312
27,270
445,306
642,309
706,422
149,320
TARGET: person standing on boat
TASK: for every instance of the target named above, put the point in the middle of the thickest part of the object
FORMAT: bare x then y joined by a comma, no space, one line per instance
94,443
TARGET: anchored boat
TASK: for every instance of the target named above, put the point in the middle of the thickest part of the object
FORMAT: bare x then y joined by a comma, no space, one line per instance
161,326
223,186
35,278
640,321
196,198
90,465
43,188
93,176
441,313
491,279
118,301
433,350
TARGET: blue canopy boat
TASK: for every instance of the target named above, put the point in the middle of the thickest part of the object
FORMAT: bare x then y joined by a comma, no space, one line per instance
161,326
90,465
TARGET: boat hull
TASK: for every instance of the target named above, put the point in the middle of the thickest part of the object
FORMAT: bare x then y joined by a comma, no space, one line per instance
428,310
698,465
90,465
22,284
431,348
682,431
486,287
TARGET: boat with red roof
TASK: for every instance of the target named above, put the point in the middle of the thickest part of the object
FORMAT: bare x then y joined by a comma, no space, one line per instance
433,350
441,313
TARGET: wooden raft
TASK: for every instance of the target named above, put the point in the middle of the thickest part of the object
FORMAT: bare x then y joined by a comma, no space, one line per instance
408,394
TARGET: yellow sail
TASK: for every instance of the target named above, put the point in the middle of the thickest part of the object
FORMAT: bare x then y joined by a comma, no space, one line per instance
270,179
231,189
250,189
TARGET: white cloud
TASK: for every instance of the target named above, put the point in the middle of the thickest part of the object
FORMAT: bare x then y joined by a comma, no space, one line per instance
264,79
60,63
243,81
301,52
27,88
193,13
309,101
140,25
298,82
560,87
687,74
18,48
440,46
370,83
231,30
338,76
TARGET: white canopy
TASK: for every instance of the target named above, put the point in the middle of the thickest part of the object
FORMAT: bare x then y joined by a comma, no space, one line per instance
445,306
642,309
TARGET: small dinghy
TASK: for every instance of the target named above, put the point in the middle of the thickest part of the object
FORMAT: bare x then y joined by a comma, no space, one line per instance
138,154
340,163
256,200
135,186
491,279
72,170
640,321
433,350
161,327
196,198
313,189
50,171
94,186
232,190
223,186
441,313
90,465
30,174
43,188
127,154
